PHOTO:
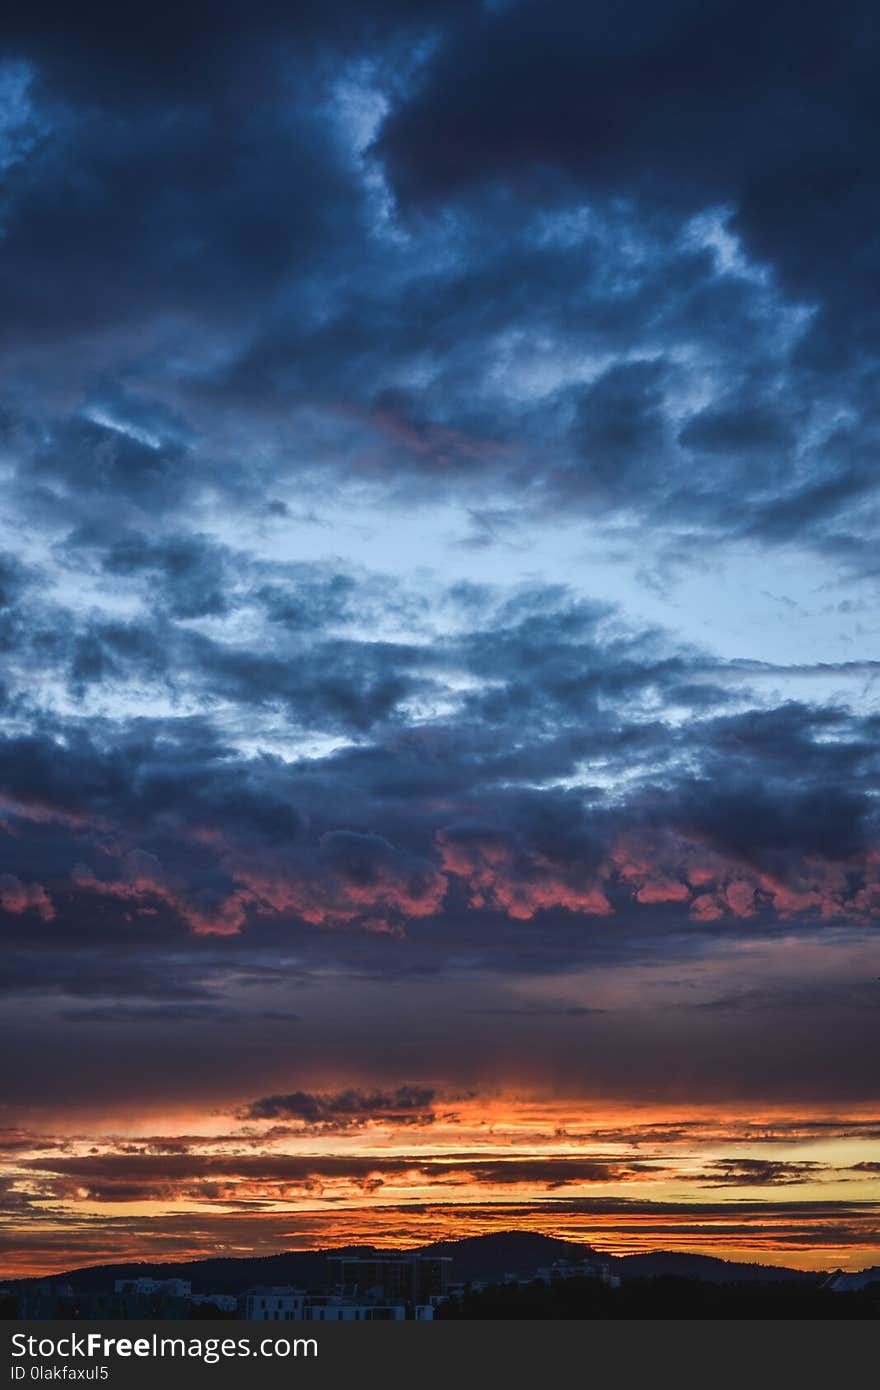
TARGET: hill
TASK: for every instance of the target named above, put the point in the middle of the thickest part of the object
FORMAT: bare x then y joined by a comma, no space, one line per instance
474,1257
707,1268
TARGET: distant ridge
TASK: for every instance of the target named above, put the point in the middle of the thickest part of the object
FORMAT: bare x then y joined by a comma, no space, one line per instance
474,1257
708,1268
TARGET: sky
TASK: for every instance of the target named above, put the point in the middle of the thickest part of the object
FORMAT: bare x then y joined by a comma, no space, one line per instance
438,606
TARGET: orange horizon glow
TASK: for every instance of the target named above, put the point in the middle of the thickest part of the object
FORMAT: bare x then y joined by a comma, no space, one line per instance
776,1185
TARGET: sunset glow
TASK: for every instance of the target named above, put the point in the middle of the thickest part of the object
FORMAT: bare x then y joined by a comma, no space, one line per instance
439,721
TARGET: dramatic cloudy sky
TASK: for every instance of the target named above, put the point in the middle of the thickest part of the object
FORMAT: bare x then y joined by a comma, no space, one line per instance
438,604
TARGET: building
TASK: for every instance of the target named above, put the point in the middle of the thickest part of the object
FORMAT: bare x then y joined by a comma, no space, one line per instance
578,1269
838,1282
171,1288
353,1310
410,1278
286,1304
226,1302
273,1303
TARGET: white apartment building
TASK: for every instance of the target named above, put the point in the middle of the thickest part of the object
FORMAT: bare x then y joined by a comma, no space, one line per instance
171,1288
271,1304
267,1303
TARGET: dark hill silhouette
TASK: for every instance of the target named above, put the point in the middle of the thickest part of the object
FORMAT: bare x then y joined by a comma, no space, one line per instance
707,1268
506,1252
475,1257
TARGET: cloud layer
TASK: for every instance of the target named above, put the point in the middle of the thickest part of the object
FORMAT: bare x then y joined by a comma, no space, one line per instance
437,575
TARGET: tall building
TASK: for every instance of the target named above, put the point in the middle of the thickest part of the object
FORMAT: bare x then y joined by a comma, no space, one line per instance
415,1278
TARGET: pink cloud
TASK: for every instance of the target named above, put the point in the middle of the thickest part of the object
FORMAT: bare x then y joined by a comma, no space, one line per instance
493,879
17,897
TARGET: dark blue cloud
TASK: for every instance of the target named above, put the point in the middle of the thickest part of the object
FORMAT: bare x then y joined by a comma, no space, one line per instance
447,284
207,260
